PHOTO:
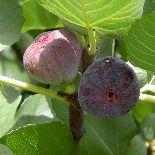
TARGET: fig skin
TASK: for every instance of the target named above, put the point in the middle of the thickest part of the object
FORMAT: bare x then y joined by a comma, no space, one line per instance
109,87
53,57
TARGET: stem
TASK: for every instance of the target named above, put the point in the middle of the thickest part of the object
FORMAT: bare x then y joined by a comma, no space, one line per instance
90,31
113,47
153,79
76,119
32,88
92,42
147,98
87,60
148,88
76,116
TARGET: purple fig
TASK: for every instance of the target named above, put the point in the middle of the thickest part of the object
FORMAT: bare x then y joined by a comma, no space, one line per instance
53,57
109,87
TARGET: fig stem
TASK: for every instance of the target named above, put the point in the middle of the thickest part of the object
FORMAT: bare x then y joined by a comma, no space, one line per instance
76,116
87,60
32,88
147,98
76,120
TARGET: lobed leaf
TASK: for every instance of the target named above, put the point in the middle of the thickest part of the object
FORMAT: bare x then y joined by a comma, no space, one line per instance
105,16
140,43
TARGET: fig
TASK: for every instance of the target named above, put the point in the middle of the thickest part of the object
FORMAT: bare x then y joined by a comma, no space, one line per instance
108,88
53,57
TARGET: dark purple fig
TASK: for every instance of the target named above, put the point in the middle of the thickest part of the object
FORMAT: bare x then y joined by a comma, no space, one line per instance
54,57
109,87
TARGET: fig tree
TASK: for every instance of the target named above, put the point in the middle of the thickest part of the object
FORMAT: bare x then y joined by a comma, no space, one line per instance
109,87
53,57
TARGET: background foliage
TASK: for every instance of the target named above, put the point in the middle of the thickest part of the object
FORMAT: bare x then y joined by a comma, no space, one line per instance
35,124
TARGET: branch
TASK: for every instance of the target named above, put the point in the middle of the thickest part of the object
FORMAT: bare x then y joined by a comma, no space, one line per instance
147,98
32,88
148,87
90,31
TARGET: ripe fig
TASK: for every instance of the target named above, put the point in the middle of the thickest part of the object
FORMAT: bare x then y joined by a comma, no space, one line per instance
53,57
108,88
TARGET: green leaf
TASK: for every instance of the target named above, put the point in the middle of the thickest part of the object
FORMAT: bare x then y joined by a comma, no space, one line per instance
49,138
11,66
10,93
61,111
105,48
25,40
149,6
2,47
142,110
34,109
107,136
7,114
35,105
148,127
137,146
141,75
103,136
140,43
106,17
4,150
11,21
22,1
36,17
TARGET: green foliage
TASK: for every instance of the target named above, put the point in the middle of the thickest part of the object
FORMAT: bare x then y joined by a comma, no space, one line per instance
36,17
136,146
35,104
149,6
142,110
148,127
140,43
35,139
103,136
113,135
34,110
11,20
106,17
11,66
4,150
141,75
10,93
105,48
7,114
36,124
